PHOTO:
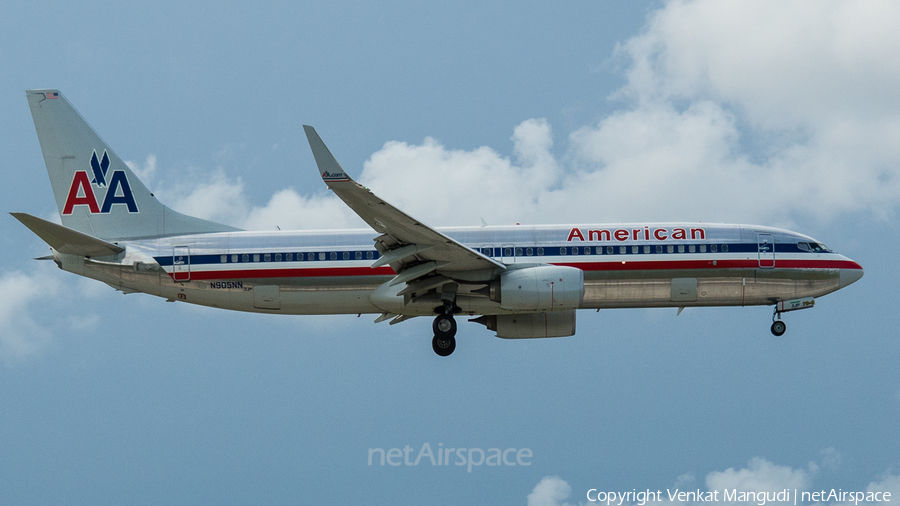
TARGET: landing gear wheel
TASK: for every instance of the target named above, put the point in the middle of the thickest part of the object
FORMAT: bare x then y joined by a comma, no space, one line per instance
444,326
443,347
778,328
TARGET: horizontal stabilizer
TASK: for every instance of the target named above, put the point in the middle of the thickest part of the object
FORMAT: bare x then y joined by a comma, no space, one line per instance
66,240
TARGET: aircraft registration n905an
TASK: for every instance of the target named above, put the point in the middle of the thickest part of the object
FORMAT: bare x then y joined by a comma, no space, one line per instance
519,281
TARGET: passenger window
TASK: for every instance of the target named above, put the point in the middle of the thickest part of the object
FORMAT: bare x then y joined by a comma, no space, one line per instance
610,250
223,259
623,250
345,255
368,255
702,248
540,251
670,248
713,248
634,249
267,257
256,257
692,249
575,250
562,251
245,258
277,257
724,248
358,255
333,255
234,259
681,248
322,256
659,248
518,252
646,249
529,251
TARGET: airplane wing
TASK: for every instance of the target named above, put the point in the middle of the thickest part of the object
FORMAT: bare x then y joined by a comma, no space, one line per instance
413,249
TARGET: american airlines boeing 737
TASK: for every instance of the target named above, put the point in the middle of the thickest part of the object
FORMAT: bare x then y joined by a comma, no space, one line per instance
518,281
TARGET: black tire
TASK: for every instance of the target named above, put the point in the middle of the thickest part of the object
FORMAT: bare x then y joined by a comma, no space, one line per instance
778,328
443,347
444,326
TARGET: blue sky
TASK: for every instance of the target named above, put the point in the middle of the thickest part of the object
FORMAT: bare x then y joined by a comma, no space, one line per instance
779,113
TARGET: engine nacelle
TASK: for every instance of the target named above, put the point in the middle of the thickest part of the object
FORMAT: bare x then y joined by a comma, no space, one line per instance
540,288
531,325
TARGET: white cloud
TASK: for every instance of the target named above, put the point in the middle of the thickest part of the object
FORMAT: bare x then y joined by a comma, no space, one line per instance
456,187
738,111
760,475
21,332
745,111
816,80
550,491
889,483
146,172
786,65
886,483
290,211
219,198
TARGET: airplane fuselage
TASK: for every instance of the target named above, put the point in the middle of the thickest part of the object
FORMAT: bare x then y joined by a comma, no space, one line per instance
624,265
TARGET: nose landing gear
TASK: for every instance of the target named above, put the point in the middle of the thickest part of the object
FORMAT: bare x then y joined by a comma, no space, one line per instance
778,327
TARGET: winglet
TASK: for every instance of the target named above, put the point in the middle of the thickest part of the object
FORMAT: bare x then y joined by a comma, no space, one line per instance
327,163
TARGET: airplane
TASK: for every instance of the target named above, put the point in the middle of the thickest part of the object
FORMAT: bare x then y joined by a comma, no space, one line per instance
519,281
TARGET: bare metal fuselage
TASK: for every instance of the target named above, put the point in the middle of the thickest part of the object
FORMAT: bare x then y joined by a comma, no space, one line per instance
328,272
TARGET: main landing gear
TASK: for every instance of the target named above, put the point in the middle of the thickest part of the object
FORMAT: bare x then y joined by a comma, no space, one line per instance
444,326
444,340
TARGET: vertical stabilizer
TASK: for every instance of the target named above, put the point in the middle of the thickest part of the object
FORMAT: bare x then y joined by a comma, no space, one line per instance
95,192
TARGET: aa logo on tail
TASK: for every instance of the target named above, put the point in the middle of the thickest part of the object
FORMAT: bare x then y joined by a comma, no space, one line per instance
99,168
118,191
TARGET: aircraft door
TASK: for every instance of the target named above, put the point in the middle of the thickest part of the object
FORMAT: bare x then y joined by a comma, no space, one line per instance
766,249
181,263
508,255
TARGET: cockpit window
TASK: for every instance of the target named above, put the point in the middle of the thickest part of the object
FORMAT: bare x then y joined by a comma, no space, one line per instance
813,247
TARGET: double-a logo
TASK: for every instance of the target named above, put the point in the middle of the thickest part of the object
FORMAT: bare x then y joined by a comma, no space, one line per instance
118,191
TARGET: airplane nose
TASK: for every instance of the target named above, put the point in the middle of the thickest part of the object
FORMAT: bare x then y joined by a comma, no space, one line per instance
850,276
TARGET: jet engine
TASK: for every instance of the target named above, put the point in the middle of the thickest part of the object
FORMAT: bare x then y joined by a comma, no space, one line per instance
540,288
530,325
